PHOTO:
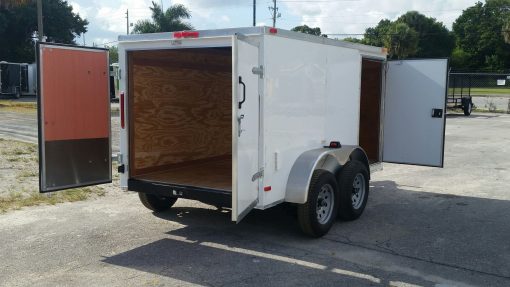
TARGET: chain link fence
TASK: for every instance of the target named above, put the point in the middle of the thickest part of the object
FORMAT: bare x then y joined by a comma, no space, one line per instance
487,91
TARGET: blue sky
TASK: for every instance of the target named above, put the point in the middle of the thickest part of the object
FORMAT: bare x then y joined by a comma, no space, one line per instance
107,17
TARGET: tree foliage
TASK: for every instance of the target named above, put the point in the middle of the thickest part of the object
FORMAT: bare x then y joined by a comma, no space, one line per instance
401,40
479,33
18,27
375,36
113,52
165,21
434,39
309,30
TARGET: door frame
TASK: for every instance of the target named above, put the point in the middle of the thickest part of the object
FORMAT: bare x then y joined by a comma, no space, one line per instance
235,123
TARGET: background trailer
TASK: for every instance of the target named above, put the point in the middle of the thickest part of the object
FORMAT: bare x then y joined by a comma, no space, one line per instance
18,80
240,118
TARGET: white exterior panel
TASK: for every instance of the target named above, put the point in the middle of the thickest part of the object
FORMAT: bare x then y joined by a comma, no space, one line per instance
311,96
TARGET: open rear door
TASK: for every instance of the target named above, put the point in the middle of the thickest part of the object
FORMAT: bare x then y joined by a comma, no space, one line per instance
74,117
414,112
245,132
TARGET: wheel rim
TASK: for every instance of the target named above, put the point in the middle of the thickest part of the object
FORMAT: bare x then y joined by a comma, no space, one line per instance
358,190
325,201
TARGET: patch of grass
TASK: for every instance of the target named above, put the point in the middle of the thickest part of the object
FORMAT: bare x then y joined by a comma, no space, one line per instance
27,173
494,92
18,199
16,106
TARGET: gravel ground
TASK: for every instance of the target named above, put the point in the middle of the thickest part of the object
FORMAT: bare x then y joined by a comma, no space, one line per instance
500,103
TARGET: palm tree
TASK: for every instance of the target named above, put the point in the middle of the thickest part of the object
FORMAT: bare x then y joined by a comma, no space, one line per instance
168,21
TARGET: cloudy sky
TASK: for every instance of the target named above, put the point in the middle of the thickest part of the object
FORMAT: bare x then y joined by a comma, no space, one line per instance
107,17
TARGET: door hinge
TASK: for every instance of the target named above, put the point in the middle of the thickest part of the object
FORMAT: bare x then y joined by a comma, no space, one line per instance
258,175
258,71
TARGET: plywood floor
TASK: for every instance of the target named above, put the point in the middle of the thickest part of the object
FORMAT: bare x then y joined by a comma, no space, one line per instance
215,174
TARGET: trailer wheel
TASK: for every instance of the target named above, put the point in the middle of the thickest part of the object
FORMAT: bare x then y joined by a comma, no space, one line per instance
354,188
467,108
17,93
318,214
156,203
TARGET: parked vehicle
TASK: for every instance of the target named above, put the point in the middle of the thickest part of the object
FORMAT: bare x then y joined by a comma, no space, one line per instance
240,118
17,79
459,95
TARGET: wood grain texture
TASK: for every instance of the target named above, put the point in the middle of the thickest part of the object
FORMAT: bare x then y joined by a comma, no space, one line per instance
370,109
181,107
214,173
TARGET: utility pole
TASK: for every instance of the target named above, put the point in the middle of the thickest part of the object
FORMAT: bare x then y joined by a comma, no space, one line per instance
127,21
254,13
274,13
40,21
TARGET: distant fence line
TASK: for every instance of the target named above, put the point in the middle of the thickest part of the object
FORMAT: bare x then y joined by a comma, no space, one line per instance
491,81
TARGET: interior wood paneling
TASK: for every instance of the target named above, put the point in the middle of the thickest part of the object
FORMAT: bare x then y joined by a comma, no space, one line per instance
370,109
180,107
214,173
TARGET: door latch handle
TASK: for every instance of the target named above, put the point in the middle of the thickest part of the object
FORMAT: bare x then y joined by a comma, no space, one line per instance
437,113
239,119
244,91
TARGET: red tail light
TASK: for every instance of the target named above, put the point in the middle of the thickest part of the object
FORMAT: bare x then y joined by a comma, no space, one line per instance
186,34
267,188
122,110
273,30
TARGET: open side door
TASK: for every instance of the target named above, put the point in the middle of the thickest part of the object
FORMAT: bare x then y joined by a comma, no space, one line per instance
245,131
73,117
414,112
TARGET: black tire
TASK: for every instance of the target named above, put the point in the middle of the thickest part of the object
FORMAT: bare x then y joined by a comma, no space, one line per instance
467,107
308,213
156,203
349,208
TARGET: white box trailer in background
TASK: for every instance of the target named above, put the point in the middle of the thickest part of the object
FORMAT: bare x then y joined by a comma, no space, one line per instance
242,118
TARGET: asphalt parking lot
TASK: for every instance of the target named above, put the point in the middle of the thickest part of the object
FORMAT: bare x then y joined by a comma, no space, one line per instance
422,227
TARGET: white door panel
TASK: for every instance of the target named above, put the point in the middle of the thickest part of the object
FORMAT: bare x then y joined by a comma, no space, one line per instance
413,134
246,129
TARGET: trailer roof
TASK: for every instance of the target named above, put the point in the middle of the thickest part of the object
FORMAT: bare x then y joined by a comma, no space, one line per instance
369,51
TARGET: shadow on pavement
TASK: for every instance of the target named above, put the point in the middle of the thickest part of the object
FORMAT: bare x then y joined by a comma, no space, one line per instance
464,239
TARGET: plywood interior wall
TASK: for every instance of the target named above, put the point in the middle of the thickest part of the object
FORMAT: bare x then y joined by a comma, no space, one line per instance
180,107
370,108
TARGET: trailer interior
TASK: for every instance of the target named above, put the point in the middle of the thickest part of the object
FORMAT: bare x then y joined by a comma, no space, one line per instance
180,117
370,108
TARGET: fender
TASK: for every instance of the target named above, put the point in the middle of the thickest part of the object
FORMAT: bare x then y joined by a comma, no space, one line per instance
328,159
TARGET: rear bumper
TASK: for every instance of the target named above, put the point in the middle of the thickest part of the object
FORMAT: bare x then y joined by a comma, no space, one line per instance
209,196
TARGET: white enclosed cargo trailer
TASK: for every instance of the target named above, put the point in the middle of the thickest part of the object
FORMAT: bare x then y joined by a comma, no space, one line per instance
242,118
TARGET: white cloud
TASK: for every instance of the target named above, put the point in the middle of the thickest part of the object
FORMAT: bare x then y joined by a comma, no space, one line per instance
356,16
107,17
